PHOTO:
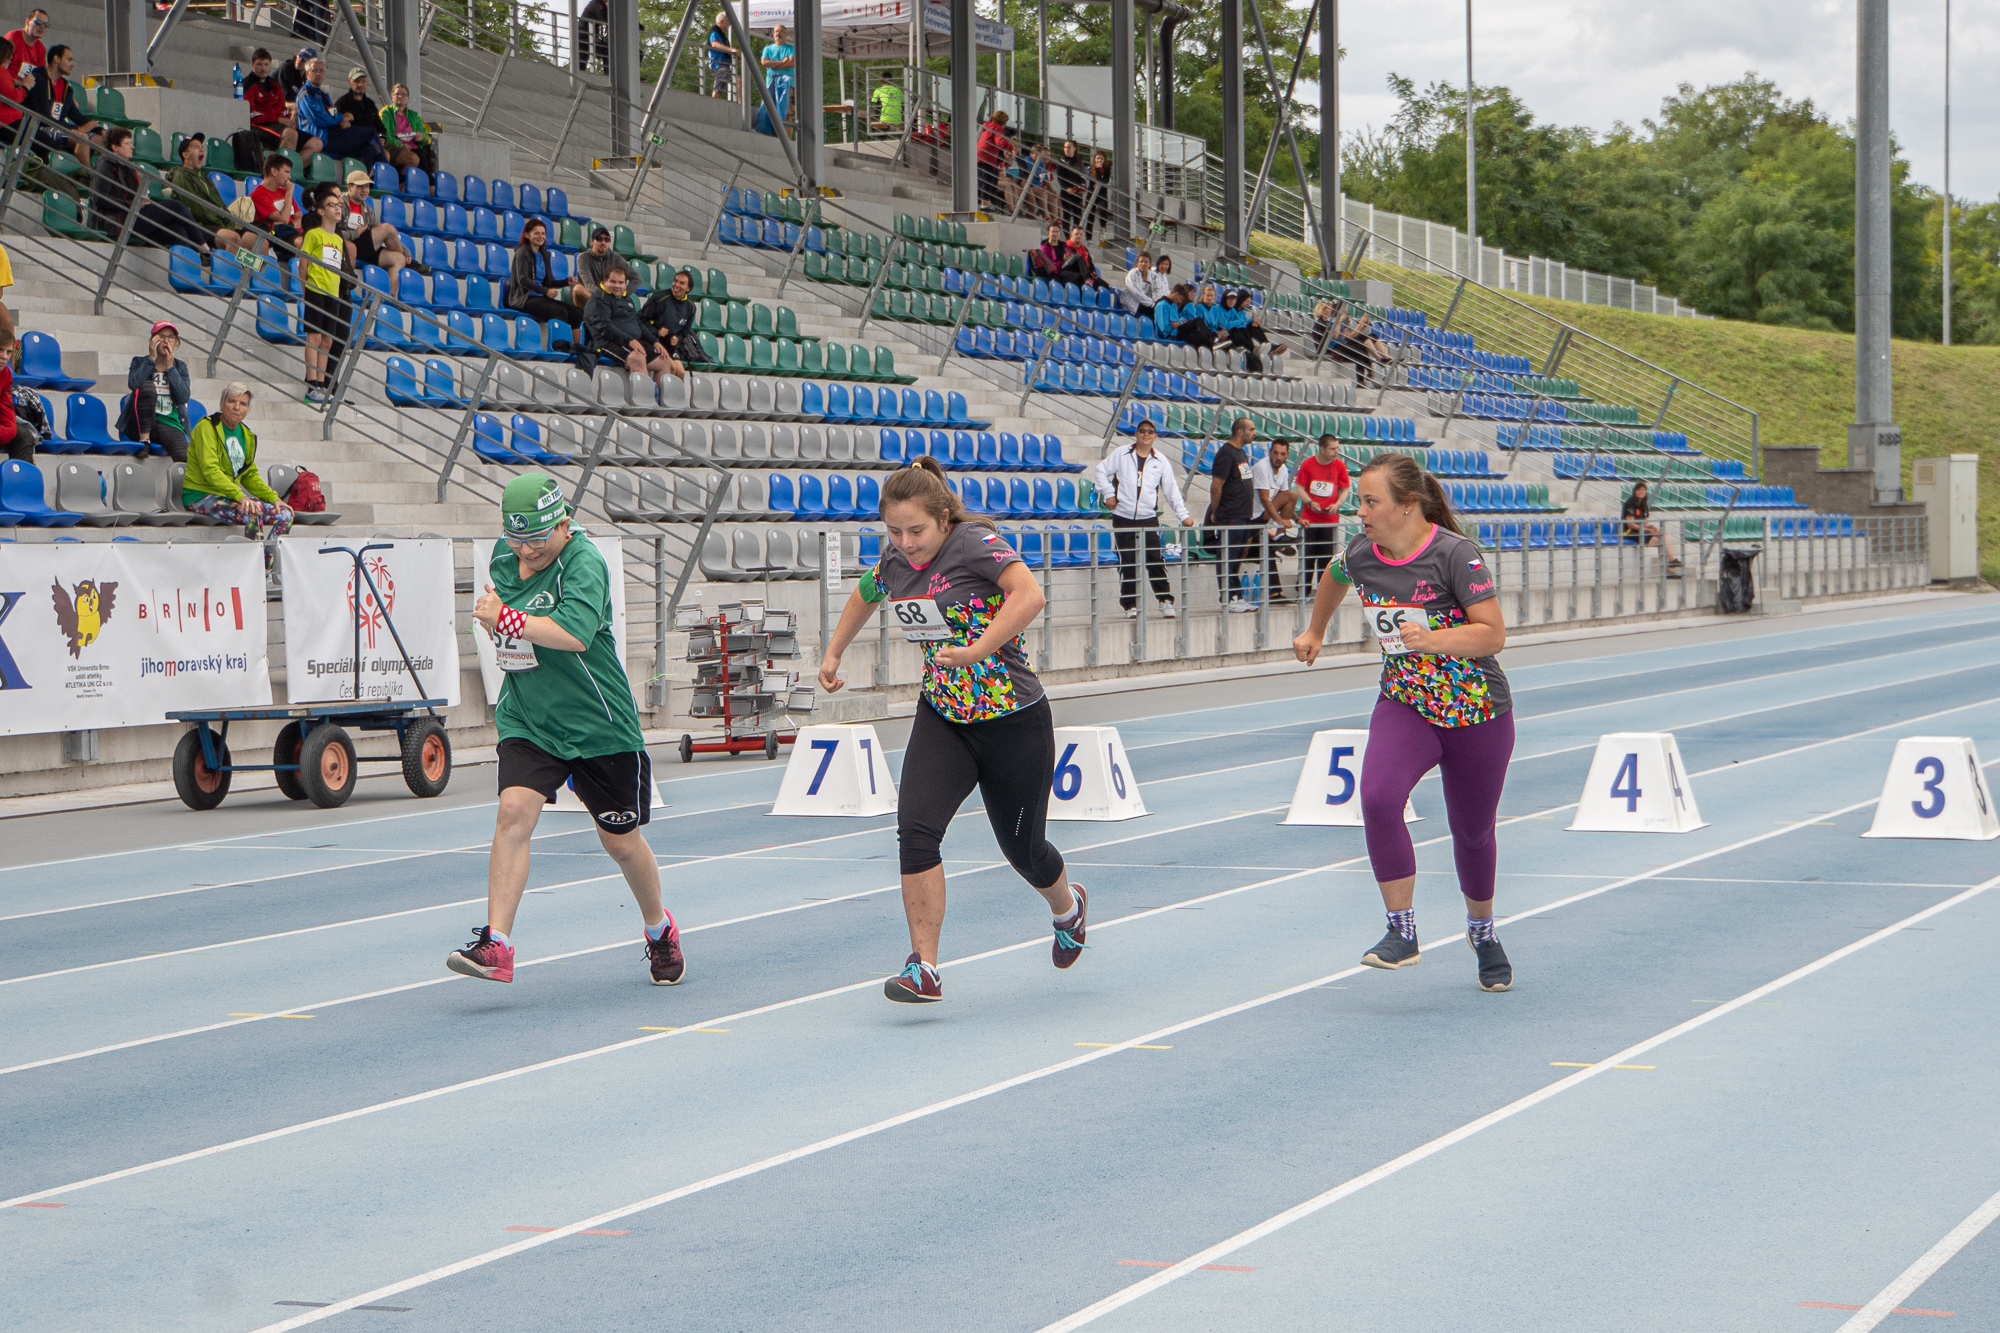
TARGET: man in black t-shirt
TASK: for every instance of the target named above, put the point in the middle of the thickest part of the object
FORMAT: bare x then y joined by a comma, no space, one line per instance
1232,504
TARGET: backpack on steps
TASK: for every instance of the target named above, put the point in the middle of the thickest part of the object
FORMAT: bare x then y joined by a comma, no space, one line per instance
305,496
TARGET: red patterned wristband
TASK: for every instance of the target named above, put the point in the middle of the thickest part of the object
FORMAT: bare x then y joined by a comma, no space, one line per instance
511,623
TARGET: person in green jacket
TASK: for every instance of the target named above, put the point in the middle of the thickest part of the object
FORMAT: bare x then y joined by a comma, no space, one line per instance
410,141
193,188
222,480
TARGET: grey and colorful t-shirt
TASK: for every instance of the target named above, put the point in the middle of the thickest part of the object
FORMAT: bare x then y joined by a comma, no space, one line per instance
964,580
1444,576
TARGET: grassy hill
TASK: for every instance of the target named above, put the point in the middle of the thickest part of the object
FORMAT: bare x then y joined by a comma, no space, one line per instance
1801,384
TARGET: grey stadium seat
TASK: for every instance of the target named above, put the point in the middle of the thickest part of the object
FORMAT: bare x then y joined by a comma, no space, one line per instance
138,489
80,490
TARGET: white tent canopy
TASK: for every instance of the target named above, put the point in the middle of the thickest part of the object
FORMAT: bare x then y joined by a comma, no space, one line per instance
879,29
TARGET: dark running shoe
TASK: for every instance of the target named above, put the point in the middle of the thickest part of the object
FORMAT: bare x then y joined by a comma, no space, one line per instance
1495,972
1393,952
664,954
483,957
1069,932
915,984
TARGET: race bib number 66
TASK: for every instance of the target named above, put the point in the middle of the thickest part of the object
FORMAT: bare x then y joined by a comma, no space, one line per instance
1386,622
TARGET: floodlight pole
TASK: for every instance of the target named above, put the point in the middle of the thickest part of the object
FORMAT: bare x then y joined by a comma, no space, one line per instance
1874,440
1947,173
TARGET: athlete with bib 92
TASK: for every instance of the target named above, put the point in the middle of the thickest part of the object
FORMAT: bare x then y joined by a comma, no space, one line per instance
1431,601
565,715
957,589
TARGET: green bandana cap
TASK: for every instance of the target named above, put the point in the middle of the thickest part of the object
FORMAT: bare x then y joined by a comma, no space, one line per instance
531,505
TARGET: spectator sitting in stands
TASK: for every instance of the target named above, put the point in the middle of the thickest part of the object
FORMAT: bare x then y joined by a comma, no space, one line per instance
293,76
1174,319
359,108
1046,260
1241,327
374,241
409,139
1138,298
155,409
26,58
1039,180
616,332
115,184
1353,344
323,129
11,91
592,267
671,314
192,187
1632,516
17,437
54,97
1323,325
270,114
276,213
1163,277
222,479
1078,266
530,287
326,315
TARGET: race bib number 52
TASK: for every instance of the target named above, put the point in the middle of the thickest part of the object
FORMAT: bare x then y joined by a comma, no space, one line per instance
919,618
1386,622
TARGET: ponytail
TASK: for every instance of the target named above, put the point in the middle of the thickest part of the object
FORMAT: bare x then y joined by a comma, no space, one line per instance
1408,482
923,484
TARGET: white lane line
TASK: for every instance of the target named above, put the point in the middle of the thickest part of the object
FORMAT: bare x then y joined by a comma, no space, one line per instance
348,865
1901,628
1075,1062
1920,1272
1148,1285
579,953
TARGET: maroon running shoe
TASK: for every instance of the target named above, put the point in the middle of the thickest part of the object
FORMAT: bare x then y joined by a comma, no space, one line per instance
1068,946
664,955
917,983
484,957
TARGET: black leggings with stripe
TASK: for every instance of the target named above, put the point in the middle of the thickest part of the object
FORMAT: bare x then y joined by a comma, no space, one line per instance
1012,760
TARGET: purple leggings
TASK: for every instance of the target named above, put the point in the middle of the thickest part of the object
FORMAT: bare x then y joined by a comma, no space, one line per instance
1402,747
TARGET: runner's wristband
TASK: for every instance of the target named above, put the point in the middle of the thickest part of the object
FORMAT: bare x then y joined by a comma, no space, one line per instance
511,623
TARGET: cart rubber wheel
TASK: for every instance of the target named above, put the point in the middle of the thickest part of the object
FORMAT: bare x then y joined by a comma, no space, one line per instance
326,766
201,787
426,758
286,751
687,749
770,745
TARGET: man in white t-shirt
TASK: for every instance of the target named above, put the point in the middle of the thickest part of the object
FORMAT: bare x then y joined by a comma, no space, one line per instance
1139,296
1271,476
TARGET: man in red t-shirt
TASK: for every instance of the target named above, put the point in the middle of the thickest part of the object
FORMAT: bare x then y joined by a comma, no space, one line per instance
26,56
269,114
1322,484
276,212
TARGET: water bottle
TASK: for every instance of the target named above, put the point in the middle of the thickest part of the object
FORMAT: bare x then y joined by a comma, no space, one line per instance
236,77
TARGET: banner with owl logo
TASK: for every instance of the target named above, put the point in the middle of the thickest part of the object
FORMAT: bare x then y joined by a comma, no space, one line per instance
412,591
98,635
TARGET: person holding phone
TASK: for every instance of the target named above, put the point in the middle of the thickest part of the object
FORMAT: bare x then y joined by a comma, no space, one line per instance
1432,603
955,587
155,411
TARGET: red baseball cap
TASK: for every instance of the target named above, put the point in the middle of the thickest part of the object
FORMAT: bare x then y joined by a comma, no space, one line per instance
164,324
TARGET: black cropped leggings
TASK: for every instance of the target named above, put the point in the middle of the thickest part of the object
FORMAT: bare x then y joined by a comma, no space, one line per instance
1012,760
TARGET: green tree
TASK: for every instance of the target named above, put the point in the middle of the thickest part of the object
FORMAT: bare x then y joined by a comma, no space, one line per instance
1758,252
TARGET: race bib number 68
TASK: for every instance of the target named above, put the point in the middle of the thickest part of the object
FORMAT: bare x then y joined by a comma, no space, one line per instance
919,618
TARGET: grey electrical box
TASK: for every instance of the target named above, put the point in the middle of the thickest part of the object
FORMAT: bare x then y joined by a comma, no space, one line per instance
79,747
1948,488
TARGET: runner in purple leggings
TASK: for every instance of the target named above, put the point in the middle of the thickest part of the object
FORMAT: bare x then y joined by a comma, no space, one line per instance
1430,600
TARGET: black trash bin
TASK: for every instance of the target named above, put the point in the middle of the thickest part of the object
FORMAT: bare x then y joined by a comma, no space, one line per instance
1736,590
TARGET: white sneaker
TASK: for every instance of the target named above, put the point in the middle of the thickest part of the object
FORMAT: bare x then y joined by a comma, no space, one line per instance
1167,608
1237,606
1131,613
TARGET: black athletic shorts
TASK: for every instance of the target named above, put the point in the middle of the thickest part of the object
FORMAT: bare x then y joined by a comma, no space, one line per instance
326,313
617,789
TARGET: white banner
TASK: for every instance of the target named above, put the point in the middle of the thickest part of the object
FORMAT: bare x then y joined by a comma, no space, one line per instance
482,560
104,634
414,580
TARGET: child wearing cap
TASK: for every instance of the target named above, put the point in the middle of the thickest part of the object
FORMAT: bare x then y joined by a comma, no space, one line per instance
565,715
155,410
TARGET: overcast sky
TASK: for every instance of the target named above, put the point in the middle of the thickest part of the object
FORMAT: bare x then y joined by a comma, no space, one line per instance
1592,62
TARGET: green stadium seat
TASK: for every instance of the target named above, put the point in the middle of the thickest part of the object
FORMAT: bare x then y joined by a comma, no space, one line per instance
60,215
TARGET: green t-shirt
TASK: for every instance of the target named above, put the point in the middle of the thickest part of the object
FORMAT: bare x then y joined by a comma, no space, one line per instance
572,705
235,443
326,247
888,99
